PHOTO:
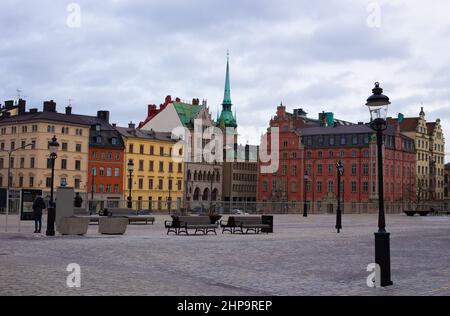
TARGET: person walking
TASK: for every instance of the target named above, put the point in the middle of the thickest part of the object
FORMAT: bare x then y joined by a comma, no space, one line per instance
38,206
78,200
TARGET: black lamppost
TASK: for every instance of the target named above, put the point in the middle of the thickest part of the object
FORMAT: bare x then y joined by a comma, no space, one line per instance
378,106
130,182
169,201
340,173
51,210
305,204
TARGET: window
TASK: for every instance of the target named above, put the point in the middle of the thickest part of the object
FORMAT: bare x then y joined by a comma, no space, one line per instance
108,172
150,184
319,169
141,165
160,184
180,168
2,146
161,151
151,166
294,170
102,171
330,169
161,166
77,183
21,181
48,182
77,165
1,163
114,141
64,147
330,186
63,181
353,186
319,186
49,163
116,172
171,167
141,149
152,150
343,140
141,184
130,148
366,169
102,156
31,182
354,167
264,186
117,156
108,188
109,156
22,164
78,148
63,164
179,185
13,145
355,140
101,188
116,188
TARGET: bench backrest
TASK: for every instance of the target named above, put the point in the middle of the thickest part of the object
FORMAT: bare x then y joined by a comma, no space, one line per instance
194,220
238,220
121,211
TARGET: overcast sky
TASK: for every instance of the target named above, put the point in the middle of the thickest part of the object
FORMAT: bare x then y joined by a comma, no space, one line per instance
317,55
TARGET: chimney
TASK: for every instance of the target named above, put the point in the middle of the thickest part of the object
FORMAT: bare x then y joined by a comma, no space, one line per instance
33,110
49,106
151,110
195,101
68,110
9,104
178,100
22,106
103,115
114,125
168,99
131,125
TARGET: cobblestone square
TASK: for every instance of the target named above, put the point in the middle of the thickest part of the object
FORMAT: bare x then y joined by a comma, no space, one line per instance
305,256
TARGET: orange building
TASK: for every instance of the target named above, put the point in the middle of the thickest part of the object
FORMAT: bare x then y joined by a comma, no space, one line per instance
106,162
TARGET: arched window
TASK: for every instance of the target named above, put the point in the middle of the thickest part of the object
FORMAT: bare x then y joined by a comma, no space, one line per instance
214,195
200,176
196,194
205,196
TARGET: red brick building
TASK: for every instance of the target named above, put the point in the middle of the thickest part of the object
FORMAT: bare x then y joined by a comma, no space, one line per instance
316,146
106,162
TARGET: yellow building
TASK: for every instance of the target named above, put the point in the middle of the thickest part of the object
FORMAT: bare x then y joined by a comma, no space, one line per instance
30,167
430,146
156,178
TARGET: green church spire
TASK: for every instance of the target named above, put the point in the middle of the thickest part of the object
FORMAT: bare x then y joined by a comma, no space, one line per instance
227,95
226,118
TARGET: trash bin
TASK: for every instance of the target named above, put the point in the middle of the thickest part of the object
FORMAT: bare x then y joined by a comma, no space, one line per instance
267,219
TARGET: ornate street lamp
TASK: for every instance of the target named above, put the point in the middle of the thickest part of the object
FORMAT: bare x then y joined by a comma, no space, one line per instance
340,173
130,182
51,210
305,204
378,106
169,200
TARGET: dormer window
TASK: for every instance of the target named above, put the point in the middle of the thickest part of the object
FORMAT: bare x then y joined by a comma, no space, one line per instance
98,127
98,140
114,141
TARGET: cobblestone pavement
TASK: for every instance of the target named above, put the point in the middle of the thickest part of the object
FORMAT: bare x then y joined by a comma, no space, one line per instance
304,256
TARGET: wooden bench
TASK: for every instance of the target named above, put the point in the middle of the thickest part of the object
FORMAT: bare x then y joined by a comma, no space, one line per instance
182,224
421,213
132,215
244,224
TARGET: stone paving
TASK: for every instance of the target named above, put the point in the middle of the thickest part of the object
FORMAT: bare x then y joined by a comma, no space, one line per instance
304,256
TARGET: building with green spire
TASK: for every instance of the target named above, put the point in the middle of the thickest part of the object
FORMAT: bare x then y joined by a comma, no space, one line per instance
226,118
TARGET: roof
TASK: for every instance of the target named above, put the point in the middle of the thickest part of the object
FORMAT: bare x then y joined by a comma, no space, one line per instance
409,124
138,133
342,129
186,112
430,128
46,116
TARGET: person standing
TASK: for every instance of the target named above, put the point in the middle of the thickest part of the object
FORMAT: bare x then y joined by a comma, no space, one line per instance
38,207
